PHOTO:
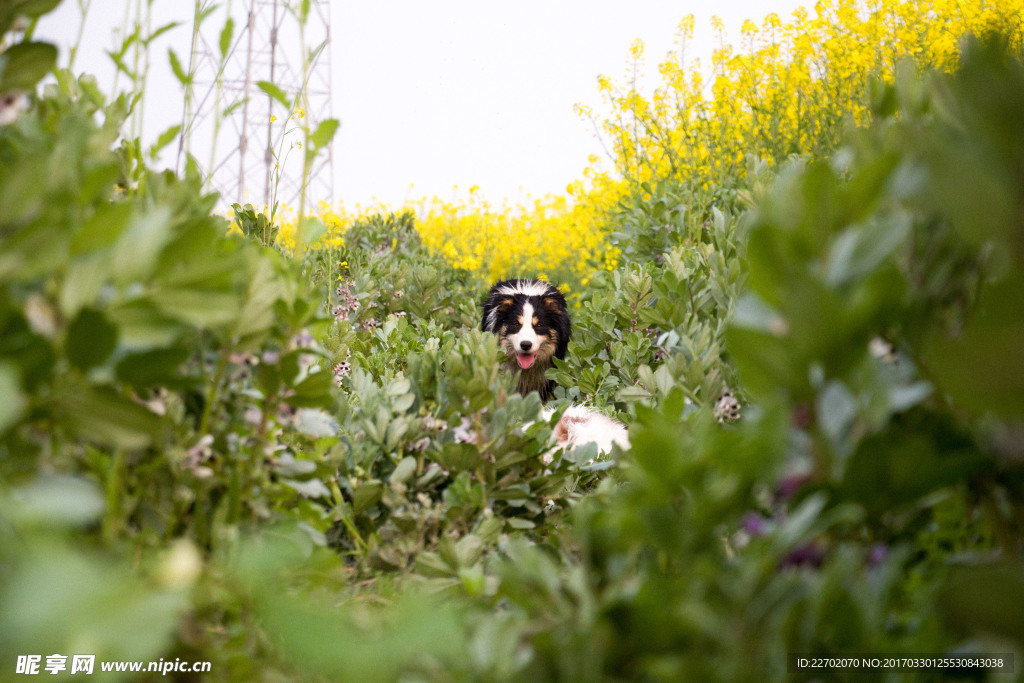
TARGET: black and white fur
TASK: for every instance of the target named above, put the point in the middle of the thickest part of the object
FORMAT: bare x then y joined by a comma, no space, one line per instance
531,320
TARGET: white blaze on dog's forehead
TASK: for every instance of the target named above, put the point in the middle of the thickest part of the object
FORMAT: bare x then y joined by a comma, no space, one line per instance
527,320
527,288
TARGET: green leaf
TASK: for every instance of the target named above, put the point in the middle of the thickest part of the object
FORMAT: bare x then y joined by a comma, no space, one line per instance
59,500
366,495
431,565
226,35
983,369
404,470
163,140
324,133
315,424
151,368
861,249
313,391
312,230
59,595
103,228
310,488
25,64
179,71
11,9
913,457
985,599
160,31
138,249
203,308
275,93
91,339
12,405
102,415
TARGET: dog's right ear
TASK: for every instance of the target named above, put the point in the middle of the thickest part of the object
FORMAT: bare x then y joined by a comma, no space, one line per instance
492,306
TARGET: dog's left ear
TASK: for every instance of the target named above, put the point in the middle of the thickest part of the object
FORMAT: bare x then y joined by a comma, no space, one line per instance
552,304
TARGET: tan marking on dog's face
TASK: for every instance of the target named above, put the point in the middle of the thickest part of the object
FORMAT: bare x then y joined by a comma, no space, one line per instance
535,321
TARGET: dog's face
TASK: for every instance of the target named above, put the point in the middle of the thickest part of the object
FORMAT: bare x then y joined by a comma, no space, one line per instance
530,319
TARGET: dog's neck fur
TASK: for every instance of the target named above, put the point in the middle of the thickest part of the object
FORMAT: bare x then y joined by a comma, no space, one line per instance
532,379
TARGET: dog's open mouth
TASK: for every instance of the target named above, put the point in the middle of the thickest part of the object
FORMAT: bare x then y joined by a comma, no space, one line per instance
526,359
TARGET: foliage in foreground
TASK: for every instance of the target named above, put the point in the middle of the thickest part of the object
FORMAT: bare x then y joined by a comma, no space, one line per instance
313,469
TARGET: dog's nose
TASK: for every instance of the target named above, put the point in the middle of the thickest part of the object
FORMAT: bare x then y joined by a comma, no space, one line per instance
526,345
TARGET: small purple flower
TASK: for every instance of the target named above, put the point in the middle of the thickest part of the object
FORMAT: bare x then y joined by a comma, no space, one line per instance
810,555
302,339
791,485
877,554
340,370
754,524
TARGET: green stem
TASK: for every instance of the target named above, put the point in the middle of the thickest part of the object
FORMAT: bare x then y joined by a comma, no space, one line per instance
112,522
213,392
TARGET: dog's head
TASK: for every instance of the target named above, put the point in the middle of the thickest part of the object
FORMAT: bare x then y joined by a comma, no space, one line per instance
530,319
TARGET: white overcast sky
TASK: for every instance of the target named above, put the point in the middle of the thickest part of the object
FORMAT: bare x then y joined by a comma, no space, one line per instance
433,95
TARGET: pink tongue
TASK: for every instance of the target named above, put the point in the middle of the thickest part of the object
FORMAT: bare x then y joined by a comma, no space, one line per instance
525,359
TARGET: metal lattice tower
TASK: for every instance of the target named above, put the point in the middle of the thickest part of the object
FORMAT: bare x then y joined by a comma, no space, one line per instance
266,46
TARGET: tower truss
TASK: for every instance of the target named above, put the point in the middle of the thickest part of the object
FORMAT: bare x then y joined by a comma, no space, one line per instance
247,143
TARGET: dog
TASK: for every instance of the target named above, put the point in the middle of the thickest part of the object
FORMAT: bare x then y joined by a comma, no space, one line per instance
580,425
531,320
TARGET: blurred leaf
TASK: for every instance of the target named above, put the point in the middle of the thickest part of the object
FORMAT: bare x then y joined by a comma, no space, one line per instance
11,9
309,488
138,249
982,369
58,500
176,67
101,415
226,35
324,133
163,140
158,367
315,424
160,31
56,599
12,400
984,599
91,339
24,64
275,93
103,228
366,495
313,391
917,454
859,250
312,230
404,470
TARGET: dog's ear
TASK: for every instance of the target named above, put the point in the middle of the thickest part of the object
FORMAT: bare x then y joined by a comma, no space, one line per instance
492,307
553,304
